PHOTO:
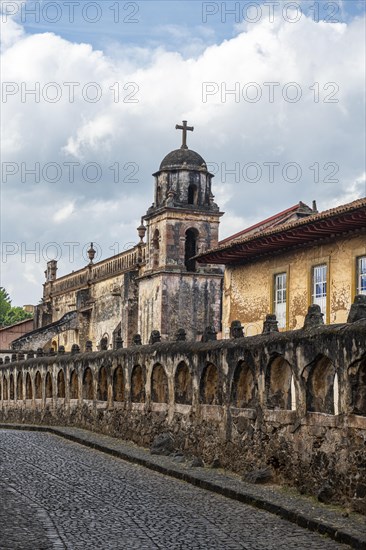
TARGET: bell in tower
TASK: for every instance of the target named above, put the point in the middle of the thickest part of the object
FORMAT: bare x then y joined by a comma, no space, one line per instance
182,222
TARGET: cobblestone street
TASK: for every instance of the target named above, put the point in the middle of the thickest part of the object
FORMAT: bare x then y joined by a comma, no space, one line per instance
58,494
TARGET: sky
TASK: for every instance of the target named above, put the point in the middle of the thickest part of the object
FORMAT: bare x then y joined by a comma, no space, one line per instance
92,91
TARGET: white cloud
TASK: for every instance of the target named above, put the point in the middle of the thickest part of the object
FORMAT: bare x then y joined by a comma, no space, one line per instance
10,32
139,134
355,190
64,213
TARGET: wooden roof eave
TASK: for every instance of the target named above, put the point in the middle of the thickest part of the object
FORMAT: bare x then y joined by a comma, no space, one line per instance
315,231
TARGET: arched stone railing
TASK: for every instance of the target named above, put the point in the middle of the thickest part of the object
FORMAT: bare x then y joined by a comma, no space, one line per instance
264,400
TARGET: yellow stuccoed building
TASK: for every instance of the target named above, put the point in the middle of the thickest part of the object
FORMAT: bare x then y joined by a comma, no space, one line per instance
290,261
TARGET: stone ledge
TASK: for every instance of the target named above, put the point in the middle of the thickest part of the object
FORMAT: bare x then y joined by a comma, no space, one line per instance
159,407
243,413
282,416
211,412
355,421
182,409
137,406
322,419
295,508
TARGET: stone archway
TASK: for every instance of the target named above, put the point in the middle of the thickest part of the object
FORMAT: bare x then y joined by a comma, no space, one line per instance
74,385
48,386
28,387
159,384
11,387
61,384
138,384
243,390
20,395
88,389
210,391
38,385
118,384
320,385
102,392
192,194
183,384
5,389
191,241
278,384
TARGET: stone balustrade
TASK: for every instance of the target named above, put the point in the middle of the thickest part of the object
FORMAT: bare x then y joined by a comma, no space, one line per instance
294,401
96,272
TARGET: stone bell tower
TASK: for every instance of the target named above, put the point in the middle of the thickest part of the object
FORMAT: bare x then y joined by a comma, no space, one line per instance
174,291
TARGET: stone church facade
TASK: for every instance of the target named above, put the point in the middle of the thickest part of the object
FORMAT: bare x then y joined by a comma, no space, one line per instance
154,286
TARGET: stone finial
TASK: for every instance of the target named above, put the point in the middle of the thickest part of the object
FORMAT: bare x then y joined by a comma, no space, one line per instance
270,324
236,330
88,346
180,335
137,340
141,230
75,349
118,341
358,309
314,317
91,254
61,350
209,334
39,352
7,359
103,344
51,271
155,337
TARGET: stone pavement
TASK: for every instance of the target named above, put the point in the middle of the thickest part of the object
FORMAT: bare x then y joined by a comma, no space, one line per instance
65,496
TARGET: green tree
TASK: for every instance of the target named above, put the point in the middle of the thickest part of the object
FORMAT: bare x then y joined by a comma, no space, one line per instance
5,304
8,314
16,314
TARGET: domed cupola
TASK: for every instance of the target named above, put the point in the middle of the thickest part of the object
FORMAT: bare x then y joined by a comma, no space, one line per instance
183,180
183,159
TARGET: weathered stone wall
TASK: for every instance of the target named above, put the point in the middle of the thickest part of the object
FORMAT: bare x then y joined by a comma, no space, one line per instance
130,302
174,300
248,289
167,230
178,182
294,402
170,296
107,310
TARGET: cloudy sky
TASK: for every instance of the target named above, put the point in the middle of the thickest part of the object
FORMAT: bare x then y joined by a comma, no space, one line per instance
92,92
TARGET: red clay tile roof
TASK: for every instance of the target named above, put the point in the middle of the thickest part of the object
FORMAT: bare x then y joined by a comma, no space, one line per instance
272,221
328,223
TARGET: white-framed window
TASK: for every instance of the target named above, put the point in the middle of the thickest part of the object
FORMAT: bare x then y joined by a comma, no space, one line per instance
280,291
361,275
320,287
